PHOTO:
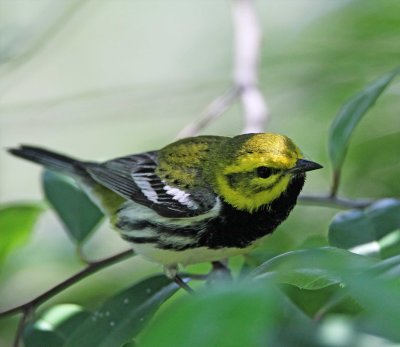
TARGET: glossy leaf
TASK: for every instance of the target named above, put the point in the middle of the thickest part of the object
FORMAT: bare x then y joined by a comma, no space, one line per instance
374,230
130,344
53,328
310,269
373,284
16,223
40,335
233,315
380,297
312,301
76,211
350,115
124,315
388,268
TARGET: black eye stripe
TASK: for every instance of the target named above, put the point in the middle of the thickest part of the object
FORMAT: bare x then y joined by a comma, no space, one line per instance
265,172
235,179
232,180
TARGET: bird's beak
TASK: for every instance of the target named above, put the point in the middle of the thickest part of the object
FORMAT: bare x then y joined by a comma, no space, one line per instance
303,165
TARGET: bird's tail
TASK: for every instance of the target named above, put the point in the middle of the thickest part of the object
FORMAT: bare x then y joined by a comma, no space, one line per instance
50,160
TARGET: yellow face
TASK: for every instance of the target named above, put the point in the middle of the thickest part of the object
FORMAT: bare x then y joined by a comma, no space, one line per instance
259,172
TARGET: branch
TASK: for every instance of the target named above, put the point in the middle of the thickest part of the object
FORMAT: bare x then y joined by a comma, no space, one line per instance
213,111
248,36
247,43
335,182
87,271
20,330
335,202
43,38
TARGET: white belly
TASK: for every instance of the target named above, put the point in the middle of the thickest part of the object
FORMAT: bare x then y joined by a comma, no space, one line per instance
186,257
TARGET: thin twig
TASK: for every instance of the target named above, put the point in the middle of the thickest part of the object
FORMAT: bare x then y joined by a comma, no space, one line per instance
181,283
20,330
194,277
247,43
45,37
87,271
335,202
335,182
213,111
16,64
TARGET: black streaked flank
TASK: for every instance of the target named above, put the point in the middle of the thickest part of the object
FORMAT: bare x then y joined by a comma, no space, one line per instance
159,243
139,239
190,231
176,247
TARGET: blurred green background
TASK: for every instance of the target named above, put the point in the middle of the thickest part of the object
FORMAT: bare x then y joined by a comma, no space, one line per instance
99,79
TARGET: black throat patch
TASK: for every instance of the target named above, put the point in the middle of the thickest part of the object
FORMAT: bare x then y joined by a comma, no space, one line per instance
234,228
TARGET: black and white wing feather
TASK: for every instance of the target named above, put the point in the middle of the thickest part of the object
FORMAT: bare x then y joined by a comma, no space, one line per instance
134,178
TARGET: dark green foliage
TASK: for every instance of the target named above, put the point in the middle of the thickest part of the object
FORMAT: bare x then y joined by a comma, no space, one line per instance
374,231
77,212
54,327
350,114
16,224
116,321
244,314
122,316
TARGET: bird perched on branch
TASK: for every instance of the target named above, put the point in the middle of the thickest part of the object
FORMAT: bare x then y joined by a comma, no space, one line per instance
198,199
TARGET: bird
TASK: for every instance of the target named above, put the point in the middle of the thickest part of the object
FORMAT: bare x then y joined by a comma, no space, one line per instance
198,199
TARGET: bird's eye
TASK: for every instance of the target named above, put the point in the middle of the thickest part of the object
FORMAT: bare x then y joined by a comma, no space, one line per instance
264,172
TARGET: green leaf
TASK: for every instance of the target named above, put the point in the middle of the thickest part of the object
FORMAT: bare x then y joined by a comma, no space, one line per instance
77,212
380,297
388,268
309,269
350,114
233,315
374,285
124,315
41,334
130,344
311,301
16,223
53,328
373,231
389,245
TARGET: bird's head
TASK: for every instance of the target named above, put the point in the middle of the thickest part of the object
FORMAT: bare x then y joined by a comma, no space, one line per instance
255,169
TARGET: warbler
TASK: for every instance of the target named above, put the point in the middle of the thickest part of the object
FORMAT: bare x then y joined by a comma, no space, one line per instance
198,199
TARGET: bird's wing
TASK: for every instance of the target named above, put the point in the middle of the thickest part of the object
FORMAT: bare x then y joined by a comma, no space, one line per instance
135,178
